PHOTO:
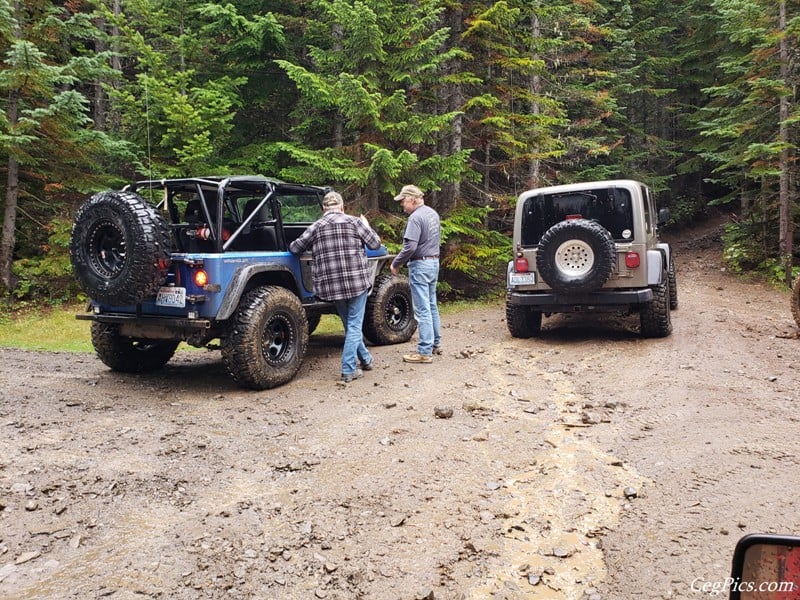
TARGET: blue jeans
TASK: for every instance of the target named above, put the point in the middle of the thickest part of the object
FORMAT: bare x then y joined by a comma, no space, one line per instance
351,311
423,276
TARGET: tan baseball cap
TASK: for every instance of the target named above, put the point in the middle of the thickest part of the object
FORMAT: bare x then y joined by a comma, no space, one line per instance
409,191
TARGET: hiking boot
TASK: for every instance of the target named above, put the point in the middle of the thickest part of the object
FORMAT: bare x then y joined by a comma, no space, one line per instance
368,366
437,349
417,358
357,374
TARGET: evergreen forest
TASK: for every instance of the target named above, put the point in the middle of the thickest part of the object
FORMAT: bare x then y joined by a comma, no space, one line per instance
474,101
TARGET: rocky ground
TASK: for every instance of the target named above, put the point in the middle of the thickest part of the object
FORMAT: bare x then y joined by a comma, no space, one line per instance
585,464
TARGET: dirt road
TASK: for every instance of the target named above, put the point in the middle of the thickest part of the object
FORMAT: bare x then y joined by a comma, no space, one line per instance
587,463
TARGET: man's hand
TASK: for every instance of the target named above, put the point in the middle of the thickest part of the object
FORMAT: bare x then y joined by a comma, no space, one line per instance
393,269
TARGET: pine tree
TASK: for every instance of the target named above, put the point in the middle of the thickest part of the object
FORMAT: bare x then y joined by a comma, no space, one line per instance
370,114
748,127
45,130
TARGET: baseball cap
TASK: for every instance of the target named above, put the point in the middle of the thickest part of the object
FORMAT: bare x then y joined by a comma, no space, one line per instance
409,191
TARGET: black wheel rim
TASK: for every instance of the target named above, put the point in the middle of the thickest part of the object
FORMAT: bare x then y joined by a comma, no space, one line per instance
398,312
277,341
106,249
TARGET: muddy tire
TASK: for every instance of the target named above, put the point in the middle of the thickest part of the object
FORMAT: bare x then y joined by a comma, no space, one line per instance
389,315
576,255
796,300
120,248
129,355
655,316
673,284
266,341
523,321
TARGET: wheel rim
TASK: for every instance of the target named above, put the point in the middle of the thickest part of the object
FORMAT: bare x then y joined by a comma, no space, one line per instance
574,258
277,340
398,312
107,249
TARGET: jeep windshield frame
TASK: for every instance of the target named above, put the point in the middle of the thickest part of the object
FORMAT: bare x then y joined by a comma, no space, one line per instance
612,207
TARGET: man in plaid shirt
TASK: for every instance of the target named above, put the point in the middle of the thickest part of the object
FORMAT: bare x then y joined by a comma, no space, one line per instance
341,274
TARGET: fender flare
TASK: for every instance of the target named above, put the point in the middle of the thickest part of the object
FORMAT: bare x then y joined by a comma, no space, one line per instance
238,286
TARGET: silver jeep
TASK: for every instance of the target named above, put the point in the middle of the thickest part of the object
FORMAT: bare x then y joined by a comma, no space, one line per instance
590,247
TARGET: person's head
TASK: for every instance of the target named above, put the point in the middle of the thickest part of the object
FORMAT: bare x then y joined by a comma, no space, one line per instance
333,201
410,198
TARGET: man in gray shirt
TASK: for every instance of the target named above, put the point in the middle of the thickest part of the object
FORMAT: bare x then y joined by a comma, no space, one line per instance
421,242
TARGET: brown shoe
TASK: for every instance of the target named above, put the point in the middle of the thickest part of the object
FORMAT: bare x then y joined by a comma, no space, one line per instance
417,358
437,349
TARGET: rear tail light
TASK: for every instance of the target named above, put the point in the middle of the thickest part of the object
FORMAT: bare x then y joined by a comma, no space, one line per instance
201,278
521,265
632,260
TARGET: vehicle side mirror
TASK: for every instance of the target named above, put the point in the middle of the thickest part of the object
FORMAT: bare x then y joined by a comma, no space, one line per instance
663,217
766,567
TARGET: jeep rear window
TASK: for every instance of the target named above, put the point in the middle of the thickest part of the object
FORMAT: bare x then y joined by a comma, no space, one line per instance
611,207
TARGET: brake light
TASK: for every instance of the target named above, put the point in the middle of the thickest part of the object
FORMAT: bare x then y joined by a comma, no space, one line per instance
573,217
201,278
632,260
521,264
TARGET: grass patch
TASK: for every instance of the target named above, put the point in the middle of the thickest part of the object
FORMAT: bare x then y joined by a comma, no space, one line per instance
57,329
51,329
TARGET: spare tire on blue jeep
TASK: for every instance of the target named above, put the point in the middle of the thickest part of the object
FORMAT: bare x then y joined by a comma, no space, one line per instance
120,248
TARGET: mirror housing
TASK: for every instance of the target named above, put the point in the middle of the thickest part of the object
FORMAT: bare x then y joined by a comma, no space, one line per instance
766,567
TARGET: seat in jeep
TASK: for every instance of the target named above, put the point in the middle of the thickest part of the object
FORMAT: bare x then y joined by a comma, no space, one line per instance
261,234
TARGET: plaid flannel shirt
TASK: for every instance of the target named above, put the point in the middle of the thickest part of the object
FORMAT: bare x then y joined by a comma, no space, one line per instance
339,262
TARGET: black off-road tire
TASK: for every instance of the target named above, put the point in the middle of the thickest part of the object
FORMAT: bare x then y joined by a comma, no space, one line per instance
576,255
264,345
389,316
129,355
655,316
120,248
796,300
523,321
673,284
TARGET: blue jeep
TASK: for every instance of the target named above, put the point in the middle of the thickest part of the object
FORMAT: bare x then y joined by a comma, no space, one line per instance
198,259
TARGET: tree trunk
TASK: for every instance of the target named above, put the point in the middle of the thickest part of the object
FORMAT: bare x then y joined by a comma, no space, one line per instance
536,89
785,237
99,101
9,238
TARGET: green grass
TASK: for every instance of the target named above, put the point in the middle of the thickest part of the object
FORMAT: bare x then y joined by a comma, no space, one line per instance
53,329
57,329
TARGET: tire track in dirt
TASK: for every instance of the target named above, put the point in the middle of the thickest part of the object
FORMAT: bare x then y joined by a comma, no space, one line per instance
556,511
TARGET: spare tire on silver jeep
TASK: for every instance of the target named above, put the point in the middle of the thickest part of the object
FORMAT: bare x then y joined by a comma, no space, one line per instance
120,248
576,255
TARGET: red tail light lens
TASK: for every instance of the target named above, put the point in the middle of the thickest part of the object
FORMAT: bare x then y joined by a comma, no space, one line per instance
521,265
632,260
201,278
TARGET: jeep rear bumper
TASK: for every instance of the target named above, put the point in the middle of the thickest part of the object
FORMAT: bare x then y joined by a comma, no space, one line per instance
591,301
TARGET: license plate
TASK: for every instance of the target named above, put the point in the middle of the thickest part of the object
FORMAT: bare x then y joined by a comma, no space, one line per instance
174,297
522,278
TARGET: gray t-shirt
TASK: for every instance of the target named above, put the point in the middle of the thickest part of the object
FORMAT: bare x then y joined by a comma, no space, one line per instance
422,237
